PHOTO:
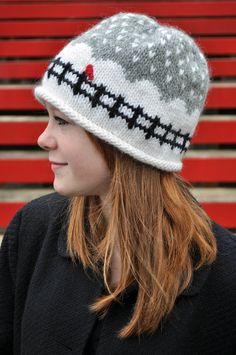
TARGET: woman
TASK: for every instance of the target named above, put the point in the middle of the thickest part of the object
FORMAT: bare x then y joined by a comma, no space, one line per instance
121,259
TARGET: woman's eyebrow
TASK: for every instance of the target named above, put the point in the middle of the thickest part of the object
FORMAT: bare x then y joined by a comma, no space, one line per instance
55,112
62,116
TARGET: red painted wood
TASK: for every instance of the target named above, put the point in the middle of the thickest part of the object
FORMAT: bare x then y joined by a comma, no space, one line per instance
221,97
215,132
25,69
49,47
217,45
29,69
68,1
47,28
209,169
222,213
16,133
94,1
31,48
223,66
204,26
8,209
194,170
72,28
13,98
18,99
208,132
85,10
25,171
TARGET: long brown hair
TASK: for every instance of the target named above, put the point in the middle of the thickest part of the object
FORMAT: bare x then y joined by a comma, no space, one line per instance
158,225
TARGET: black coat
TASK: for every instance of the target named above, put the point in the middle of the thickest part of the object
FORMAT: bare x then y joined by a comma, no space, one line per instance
44,297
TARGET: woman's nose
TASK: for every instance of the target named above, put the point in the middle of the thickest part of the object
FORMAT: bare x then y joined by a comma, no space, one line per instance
46,140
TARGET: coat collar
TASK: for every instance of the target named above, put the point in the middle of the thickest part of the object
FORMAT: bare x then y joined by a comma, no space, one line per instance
199,276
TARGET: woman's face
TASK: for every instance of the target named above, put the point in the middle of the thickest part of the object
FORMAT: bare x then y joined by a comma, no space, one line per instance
79,168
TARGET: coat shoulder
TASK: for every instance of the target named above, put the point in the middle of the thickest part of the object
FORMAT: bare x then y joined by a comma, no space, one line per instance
41,216
29,225
45,207
224,267
38,212
226,241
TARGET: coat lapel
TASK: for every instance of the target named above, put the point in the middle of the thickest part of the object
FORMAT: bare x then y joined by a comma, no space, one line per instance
84,288
56,313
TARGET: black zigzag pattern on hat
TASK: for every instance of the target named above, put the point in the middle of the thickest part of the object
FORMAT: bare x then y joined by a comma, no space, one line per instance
119,102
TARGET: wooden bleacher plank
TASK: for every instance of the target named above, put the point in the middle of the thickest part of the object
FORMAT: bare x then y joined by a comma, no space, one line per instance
34,69
208,131
202,194
49,47
20,97
199,166
29,132
210,166
222,213
62,1
203,26
43,29
214,194
217,45
24,194
90,1
96,1
217,118
27,118
211,153
29,170
225,67
23,69
221,95
215,132
31,48
12,200
219,203
210,22
71,28
8,209
82,10
36,118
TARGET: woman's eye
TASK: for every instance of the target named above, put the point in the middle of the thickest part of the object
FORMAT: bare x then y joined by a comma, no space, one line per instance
60,121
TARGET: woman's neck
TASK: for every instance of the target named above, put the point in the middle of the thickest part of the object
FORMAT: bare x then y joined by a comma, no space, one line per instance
115,267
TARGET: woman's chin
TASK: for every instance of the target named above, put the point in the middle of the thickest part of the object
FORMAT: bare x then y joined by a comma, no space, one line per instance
62,190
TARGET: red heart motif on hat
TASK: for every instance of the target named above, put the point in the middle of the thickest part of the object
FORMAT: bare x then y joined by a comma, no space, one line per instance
89,71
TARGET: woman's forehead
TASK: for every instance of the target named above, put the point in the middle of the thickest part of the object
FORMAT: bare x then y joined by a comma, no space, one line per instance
53,108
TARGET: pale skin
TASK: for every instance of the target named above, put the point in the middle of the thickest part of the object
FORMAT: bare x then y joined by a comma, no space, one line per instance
79,168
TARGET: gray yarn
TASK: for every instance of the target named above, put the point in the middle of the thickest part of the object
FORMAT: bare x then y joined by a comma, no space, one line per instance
169,44
134,83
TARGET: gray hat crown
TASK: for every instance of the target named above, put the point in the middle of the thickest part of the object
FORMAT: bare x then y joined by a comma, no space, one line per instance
162,54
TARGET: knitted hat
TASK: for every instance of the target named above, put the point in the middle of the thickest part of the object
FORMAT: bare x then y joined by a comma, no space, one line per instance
133,83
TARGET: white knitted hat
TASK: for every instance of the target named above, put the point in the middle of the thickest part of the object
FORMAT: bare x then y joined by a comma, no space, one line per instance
134,83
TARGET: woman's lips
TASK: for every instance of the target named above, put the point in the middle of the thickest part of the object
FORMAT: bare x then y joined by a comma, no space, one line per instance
57,165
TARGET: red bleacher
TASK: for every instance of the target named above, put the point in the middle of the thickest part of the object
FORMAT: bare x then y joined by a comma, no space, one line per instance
34,31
